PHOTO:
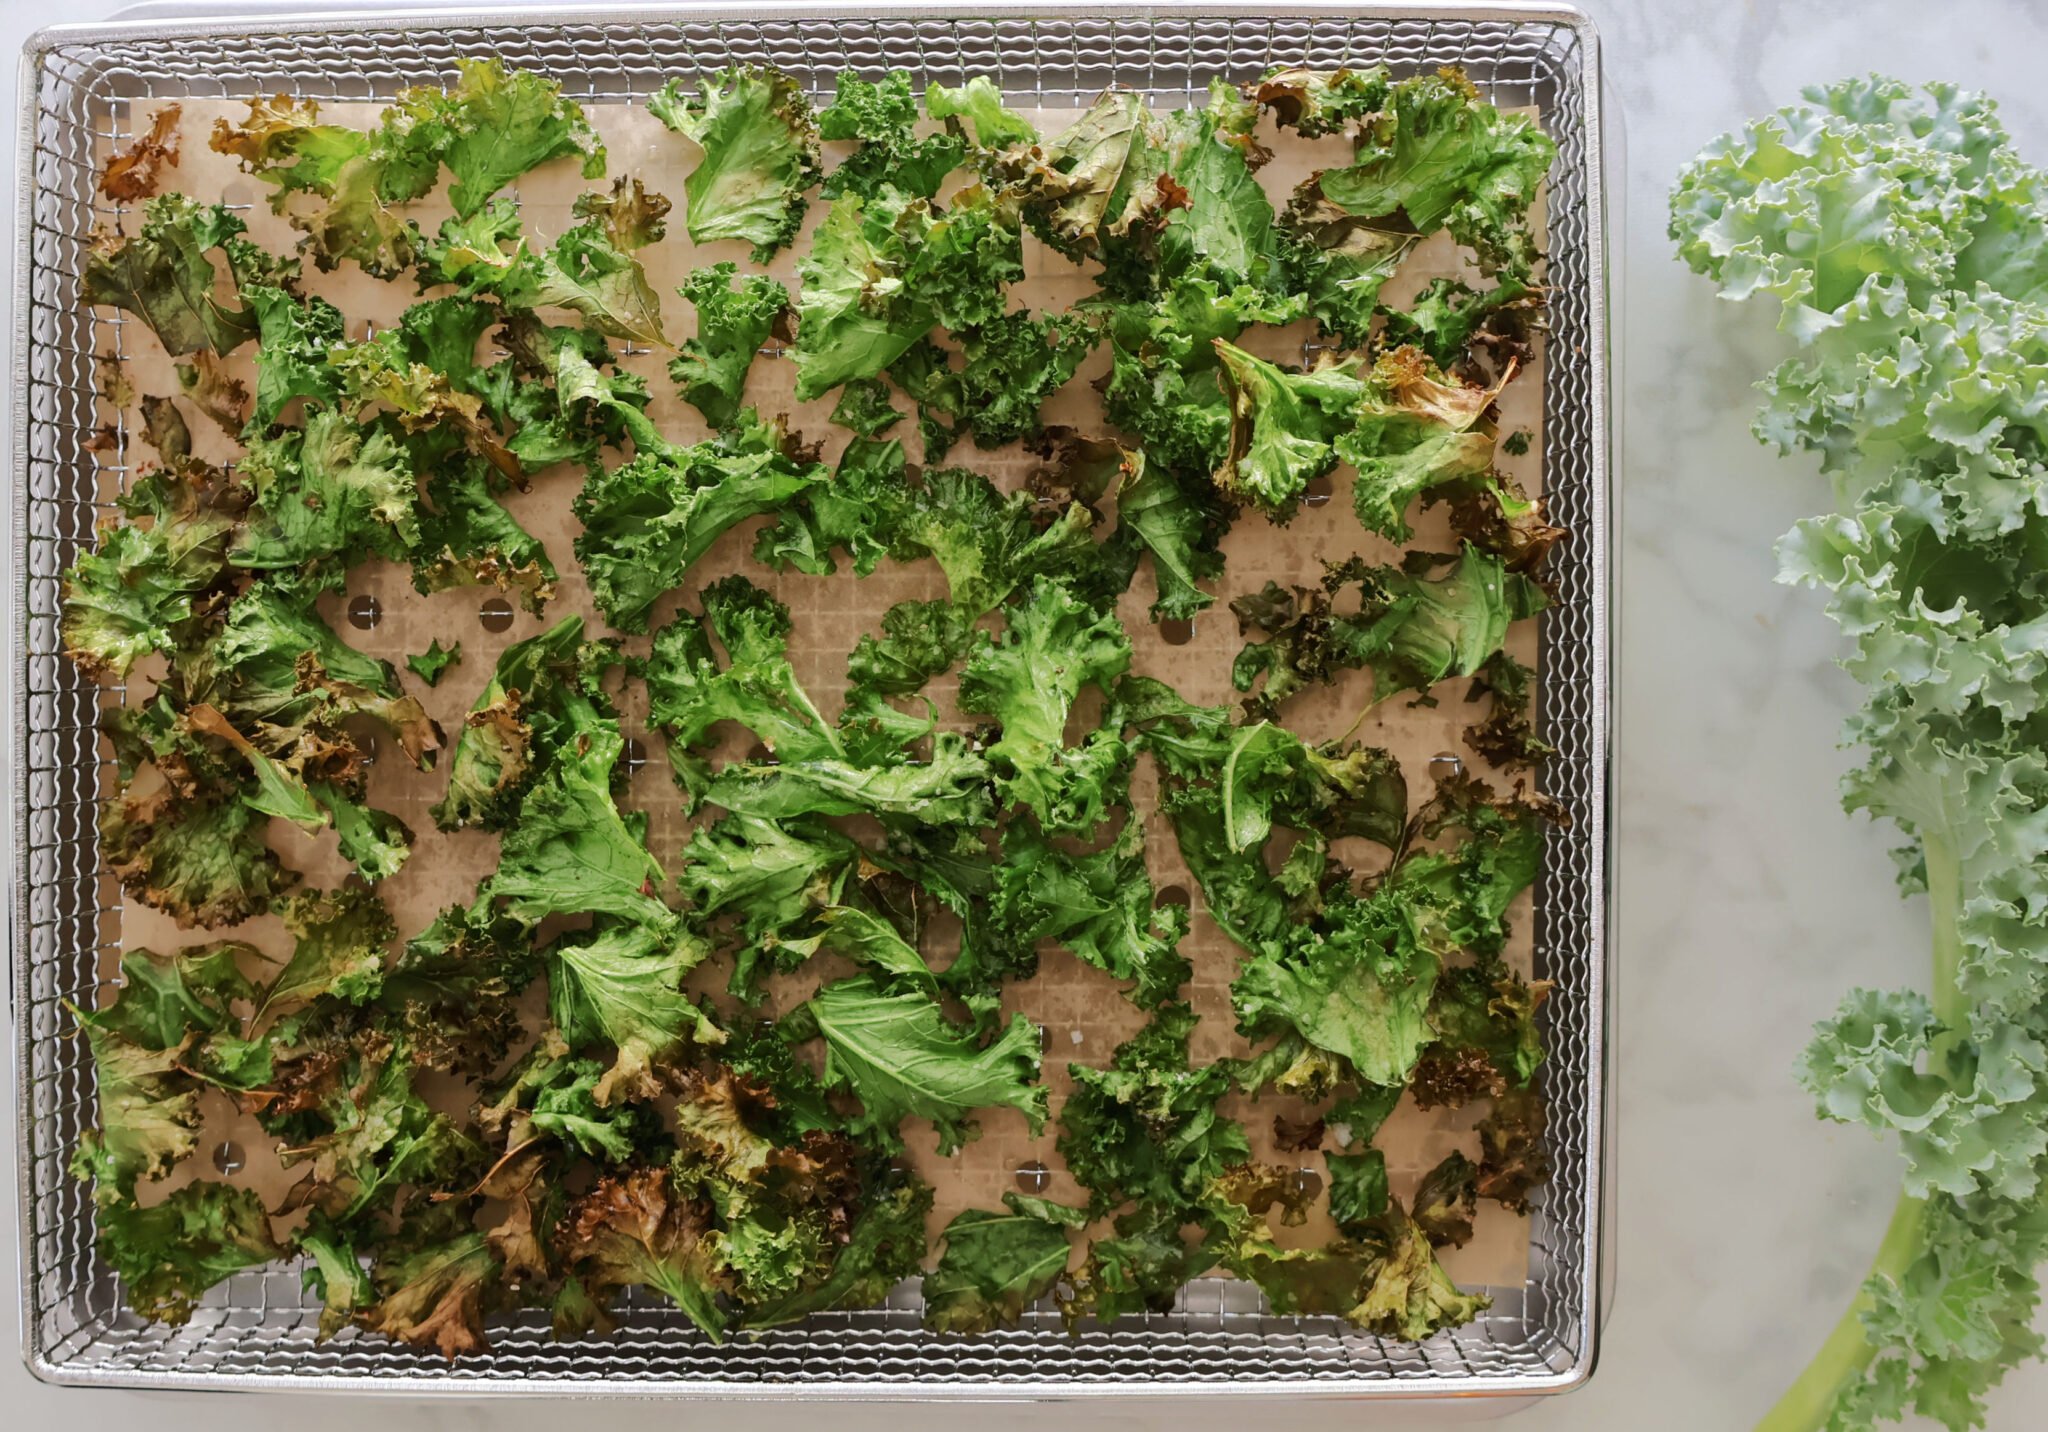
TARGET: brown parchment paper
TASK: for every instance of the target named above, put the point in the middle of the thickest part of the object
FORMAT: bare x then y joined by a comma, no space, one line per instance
1079,1008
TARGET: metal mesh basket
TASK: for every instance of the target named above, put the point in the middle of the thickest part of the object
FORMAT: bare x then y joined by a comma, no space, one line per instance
258,1330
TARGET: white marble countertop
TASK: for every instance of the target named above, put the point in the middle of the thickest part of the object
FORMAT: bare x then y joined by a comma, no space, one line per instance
1749,903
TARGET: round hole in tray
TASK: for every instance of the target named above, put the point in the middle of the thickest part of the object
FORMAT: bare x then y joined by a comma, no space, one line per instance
1034,1177
1177,631
1307,1182
1317,492
364,612
633,755
760,755
495,614
228,1157
367,744
1444,765
1172,895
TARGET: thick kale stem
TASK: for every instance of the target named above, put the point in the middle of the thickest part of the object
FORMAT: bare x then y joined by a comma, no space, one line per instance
1810,1401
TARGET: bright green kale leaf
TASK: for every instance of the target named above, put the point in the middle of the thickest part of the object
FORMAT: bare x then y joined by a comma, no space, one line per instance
571,850
864,408
1011,364
732,324
883,271
1338,262
1241,895
1223,229
144,1045
856,512
1422,629
1028,680
647,521
900,1055
772,875
880,118
760,148
1443,158
1282,426
1097,905
294,337
918,641
328,496
468,539
1180,524
978,106
621,985
1164,385
1357,984
690,693
433,663
164,276
537,701
988,543
1147,1128
995,1265
494,126
952,787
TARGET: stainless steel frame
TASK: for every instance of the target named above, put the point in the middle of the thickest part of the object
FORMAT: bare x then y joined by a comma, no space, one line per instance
257,1331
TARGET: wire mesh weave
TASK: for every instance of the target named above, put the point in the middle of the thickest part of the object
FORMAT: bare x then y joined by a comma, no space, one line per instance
259,1329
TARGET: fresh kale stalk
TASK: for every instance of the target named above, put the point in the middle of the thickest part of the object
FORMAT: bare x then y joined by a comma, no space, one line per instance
1906,245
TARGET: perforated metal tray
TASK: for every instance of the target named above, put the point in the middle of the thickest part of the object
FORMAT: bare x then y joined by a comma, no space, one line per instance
257,1330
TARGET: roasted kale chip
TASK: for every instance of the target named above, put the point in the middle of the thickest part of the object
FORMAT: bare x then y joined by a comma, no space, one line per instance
732,324
647,521
760,146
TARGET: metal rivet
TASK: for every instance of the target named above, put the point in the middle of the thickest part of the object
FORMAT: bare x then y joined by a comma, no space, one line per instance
1317,492
1177,631
1443,765
495,614
1034,1177
364,612
228,1158
1172,895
